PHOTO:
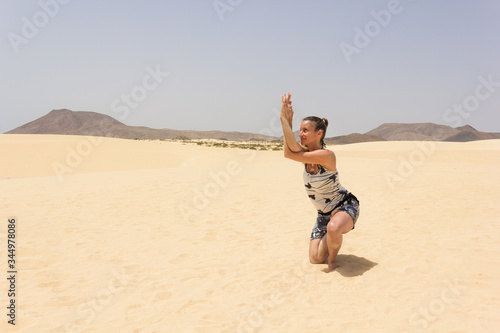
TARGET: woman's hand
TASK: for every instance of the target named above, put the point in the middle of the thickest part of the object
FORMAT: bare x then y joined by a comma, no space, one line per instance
286,108
286,116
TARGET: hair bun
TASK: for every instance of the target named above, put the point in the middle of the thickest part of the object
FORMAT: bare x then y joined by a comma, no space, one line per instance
325,121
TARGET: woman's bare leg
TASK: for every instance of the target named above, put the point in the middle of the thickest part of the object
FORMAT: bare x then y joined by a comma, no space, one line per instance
318,250
340,223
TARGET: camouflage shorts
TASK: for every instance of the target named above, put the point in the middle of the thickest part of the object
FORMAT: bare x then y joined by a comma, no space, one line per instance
350,206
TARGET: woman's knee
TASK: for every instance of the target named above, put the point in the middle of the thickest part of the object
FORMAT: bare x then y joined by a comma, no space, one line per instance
316,260
341,223
334,227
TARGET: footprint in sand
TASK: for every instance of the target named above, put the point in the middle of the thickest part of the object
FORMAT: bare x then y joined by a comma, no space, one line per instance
189,161
134,312
194,306
181,258
157,297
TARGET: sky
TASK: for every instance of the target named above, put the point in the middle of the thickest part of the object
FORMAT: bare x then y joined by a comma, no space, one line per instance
224,64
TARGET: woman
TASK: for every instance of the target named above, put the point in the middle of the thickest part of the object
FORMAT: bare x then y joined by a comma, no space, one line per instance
338,209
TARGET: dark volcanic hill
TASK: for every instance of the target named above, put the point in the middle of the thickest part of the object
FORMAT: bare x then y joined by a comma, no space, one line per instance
68,122
419,131
430,132
469,133
96,124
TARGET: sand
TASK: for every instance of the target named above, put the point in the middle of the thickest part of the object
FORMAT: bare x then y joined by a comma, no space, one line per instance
151,236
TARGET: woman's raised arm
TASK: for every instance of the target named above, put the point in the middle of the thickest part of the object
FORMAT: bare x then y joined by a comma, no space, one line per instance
286,117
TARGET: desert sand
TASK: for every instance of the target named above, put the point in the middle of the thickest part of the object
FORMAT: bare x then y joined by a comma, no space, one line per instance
118,235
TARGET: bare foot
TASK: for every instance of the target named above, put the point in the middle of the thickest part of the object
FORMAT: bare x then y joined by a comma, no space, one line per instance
332,266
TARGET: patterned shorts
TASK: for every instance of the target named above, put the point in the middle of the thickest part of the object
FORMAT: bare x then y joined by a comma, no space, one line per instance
350,206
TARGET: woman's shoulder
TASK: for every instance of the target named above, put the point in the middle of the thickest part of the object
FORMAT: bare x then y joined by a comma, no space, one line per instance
329,152
331,165
327,149
329,170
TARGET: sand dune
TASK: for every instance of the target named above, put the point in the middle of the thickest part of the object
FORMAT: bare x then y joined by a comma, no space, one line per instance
155,236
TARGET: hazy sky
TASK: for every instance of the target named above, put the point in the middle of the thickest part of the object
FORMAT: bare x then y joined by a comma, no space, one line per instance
223,65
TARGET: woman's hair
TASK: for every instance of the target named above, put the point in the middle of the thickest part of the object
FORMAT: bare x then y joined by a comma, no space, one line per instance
319,124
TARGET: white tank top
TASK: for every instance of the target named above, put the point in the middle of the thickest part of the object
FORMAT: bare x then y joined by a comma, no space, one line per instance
324,189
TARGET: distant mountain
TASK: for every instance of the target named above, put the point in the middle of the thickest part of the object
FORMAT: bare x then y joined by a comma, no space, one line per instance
68,122
411,132
469,133
346,139
353,138
96,124
430,132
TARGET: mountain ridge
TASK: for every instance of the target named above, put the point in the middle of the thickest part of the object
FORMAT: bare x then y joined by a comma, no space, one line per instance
67,122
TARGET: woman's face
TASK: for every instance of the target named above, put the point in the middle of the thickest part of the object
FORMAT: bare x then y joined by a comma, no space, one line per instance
308,135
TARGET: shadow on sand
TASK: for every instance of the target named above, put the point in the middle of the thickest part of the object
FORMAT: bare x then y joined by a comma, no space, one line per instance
350,265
